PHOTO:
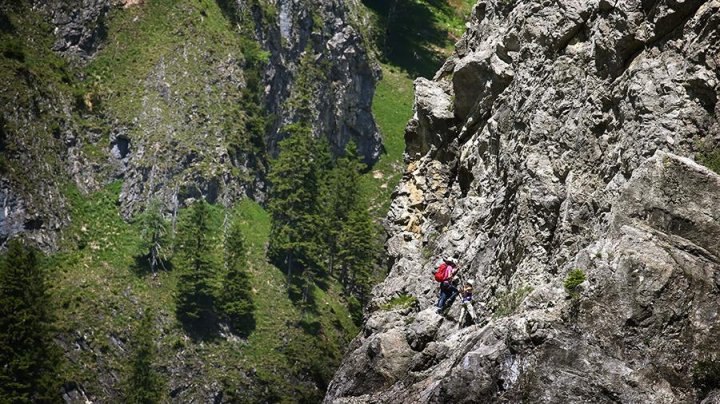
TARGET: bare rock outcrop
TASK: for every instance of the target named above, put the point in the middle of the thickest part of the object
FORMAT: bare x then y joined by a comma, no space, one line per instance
343,90
559,136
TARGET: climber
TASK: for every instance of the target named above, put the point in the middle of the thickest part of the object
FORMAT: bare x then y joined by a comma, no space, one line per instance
467,304
445,274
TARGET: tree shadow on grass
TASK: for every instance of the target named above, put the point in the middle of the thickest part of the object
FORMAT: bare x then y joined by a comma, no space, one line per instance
205,329
410,32
323,282
6,25
243,326
141,266
305,301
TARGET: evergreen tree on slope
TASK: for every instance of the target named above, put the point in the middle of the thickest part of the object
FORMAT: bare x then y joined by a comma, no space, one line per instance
235,300
144,385
195,294
293,204
28,358
340,196
358,249
155,236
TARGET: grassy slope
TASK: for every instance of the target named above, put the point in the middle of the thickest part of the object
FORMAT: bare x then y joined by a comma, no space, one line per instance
102,296
98,291
155,34
170,73
417,35
413,41
392,108
35,86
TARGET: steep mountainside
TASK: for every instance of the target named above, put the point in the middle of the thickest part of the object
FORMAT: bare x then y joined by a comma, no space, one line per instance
179,99
108,105
560,136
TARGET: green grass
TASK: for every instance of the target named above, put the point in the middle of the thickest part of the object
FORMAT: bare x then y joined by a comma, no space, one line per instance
509,302
573,280
711,159
145,37
411,42
401,302
392,109
417,35
98,293
34,84
157,74
100,296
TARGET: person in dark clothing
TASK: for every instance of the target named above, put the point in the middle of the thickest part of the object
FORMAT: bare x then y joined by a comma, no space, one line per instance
448,290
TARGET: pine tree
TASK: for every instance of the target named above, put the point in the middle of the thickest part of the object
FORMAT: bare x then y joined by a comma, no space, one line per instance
358,249
144,385
195,296
293,203
296,240
341,192
28,358
155,236
236,302
352,238
301,102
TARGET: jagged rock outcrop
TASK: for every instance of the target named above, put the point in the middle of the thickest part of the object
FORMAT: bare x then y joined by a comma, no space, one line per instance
343,90
560,136
80,26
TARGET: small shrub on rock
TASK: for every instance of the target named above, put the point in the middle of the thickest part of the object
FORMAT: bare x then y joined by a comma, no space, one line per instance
573,280
509,302
711,159
401,302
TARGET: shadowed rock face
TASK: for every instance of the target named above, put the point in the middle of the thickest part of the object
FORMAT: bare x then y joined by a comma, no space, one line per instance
342,97
552,140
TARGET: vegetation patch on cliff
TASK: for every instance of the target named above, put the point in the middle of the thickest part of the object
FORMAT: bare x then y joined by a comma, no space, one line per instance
401,302
417,35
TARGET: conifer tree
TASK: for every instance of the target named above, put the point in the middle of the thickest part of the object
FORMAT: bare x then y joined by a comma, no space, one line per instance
144,385
195,296
236,302
28,358
353,236
155,236
293,202
340,195
358,249
305,90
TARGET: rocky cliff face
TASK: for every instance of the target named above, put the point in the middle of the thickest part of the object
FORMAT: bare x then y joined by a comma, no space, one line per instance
110,91
343,90
560,136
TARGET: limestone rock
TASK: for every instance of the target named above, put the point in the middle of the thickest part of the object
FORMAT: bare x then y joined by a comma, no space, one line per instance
570,143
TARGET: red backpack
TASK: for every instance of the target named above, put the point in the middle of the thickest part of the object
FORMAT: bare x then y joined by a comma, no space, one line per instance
443,272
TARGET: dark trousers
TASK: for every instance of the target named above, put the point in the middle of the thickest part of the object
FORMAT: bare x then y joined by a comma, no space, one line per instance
448,293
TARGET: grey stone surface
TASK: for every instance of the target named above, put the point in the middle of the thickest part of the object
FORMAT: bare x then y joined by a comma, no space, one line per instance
572,140
80,25
342,97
